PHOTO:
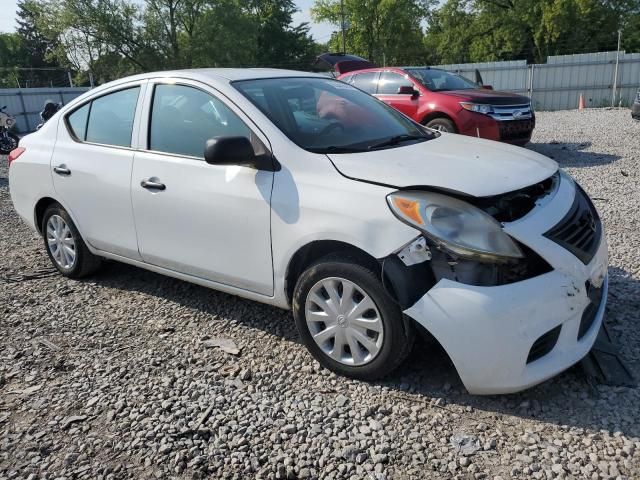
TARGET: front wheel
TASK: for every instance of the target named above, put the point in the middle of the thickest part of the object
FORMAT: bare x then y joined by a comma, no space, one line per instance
442,125
8,143
348,321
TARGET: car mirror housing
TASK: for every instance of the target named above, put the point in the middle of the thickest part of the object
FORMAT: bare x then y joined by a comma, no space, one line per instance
236,151
407,90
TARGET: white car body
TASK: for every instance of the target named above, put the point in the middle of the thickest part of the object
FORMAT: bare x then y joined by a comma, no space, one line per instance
259,220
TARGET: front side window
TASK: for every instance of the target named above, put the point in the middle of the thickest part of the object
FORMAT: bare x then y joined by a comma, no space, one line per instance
111,118
441,80
323,115
390,82
183,119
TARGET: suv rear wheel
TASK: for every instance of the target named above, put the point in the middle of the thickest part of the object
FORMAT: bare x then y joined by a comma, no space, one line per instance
348,321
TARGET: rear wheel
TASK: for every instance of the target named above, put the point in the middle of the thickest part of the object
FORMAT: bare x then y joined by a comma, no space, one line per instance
8,143
442,125
348,321
65,247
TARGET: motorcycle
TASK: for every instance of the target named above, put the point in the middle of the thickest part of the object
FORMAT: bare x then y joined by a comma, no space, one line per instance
49,110
8,140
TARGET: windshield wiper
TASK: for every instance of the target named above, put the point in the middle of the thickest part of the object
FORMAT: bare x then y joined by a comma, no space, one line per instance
336,149
397,139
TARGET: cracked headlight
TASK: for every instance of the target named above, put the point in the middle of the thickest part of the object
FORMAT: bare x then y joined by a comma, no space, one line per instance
454,224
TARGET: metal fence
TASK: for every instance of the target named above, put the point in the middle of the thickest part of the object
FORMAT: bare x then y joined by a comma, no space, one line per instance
25,104
604,79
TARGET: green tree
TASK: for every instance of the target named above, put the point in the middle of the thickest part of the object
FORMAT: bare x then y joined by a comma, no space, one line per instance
113,38
36,45
378,30
488,30
12,56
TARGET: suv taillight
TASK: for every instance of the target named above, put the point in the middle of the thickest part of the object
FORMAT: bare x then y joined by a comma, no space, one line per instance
14,154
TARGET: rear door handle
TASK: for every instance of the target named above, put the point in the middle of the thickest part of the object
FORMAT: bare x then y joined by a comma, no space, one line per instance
62,170
149,185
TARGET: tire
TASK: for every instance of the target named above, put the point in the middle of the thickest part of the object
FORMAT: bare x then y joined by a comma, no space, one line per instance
442,124
393,340
68,242
12,142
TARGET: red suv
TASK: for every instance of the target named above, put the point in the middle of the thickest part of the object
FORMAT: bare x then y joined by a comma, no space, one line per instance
450,103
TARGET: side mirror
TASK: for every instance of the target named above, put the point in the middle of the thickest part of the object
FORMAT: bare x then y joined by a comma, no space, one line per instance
236,151
407,90
487,87
229,151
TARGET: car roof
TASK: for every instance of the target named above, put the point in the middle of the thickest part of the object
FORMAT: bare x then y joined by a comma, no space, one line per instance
374,69
211,75
223,74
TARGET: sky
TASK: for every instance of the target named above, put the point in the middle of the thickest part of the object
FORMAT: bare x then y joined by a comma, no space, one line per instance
320,31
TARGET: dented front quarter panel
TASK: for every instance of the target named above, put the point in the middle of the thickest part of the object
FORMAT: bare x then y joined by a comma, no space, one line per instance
488,331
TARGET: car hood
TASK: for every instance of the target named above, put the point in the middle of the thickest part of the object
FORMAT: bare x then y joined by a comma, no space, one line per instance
489,97
450,162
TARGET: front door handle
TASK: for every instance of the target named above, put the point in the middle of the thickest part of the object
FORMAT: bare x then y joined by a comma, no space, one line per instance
150,185
62,170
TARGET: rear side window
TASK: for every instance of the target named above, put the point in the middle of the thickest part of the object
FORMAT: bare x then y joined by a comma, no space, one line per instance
111,118
183,119
390,82
366,81
347,79
78,121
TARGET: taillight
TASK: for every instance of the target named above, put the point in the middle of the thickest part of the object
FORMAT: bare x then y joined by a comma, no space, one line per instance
15,153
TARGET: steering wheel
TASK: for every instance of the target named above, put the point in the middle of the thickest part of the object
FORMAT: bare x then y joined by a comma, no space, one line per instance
329,128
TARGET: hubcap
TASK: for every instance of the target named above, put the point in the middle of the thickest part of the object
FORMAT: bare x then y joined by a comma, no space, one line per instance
344,321
8,143
440,128
60,242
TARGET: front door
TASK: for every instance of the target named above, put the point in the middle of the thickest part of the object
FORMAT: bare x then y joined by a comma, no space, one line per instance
388,86
91,169
209,221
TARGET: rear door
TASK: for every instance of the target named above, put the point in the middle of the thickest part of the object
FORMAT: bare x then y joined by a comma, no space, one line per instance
208,221
91,168
387,91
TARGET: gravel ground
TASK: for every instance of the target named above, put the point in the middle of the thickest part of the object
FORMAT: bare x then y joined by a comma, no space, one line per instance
112,377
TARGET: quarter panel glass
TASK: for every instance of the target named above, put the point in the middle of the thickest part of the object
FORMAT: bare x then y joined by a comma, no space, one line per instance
78,121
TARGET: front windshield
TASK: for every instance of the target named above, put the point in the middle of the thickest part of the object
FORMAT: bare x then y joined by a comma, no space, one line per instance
324,115
440,80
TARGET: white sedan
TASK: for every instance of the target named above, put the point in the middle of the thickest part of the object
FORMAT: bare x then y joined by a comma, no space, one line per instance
306,193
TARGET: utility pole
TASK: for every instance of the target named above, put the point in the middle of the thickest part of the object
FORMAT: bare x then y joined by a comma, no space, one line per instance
615,73
344,48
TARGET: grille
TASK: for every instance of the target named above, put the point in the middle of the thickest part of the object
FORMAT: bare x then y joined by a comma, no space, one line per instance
544,344
512,112
580,230
589,314
515,129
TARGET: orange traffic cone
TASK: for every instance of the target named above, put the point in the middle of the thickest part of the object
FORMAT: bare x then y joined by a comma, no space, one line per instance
581,102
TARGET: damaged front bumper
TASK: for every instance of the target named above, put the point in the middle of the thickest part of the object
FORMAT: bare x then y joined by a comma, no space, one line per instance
507,338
